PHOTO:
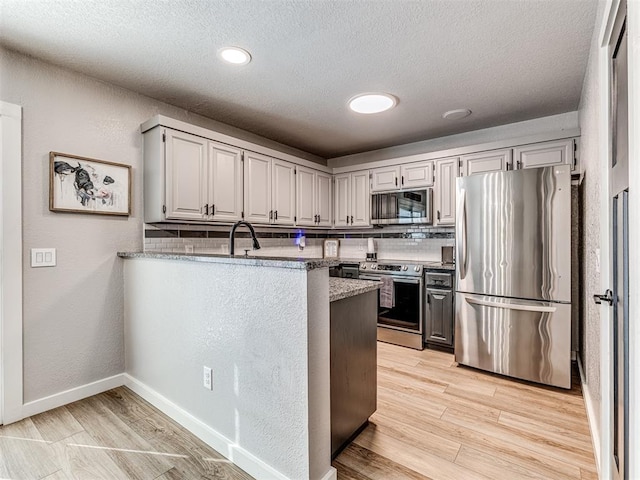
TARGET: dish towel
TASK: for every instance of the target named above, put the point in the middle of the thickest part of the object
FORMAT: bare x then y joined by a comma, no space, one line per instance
386,292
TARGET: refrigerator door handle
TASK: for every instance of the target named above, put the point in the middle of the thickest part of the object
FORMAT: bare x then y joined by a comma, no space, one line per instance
511,306
462,228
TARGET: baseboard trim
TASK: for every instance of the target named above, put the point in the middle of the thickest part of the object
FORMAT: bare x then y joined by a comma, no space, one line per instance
72,395
332,474
238,455
591,416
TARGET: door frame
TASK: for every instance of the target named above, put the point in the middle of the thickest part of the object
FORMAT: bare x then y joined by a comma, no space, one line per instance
612,16
11,397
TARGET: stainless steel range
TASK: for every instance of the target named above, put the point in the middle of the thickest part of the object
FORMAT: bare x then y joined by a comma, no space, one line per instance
399,302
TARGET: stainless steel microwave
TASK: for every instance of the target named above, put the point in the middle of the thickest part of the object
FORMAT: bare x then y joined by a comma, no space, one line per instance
410,206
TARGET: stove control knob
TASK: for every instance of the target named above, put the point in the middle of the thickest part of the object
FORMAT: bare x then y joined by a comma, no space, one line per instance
416,268
404,268
373,267
364,267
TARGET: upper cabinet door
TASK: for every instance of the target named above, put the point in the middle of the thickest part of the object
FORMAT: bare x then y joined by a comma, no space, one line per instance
257,188
416,175
306,197
324,199
360,215
446,173
283,192
342,200
483,162
545,154
186,185
385,178
225,182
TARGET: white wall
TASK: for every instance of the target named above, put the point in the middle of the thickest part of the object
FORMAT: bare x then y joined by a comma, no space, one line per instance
267,341
73,326
591,191
554,123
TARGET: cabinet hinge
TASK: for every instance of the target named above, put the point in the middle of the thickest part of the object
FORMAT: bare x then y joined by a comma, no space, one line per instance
164,137
164,209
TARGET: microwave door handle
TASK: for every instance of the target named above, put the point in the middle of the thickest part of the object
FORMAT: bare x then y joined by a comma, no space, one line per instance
461,227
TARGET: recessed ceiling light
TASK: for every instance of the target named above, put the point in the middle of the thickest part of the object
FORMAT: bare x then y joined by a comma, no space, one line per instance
372,102
234,55
456,114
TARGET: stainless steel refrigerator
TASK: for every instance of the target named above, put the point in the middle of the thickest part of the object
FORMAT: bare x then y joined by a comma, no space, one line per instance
513,268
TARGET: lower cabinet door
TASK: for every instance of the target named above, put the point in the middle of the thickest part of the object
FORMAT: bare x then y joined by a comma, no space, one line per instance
439,317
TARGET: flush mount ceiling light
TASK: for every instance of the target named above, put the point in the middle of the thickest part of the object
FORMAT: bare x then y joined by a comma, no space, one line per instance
234,55
456,114
372,102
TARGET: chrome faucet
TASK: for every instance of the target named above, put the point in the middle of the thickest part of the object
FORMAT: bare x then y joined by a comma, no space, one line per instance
256,244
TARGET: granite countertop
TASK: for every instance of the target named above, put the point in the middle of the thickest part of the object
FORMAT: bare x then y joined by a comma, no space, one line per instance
278,262
340,288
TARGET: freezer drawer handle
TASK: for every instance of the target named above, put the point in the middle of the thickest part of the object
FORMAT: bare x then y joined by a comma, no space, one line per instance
511,306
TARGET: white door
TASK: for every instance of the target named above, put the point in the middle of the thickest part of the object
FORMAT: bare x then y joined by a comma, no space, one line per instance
283,188
619,255
225,182
445,190
324,199
257,188
385,178
360,199
306,211
492,161
416,175
545,154
186,164
342,200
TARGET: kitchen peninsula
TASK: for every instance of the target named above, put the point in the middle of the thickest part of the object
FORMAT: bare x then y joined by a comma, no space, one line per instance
262,324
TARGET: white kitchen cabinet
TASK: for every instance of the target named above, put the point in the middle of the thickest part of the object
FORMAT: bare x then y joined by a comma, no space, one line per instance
385,178
224,176
560,152
190,178
445,191
186,176
269,193
352,204
416,175
313,197
483,162
257,188
324,198
283,192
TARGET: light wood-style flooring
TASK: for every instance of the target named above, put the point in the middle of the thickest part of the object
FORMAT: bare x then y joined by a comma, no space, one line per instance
442,421
434,420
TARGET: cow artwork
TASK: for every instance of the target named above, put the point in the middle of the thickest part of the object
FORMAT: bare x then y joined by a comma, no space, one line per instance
85,185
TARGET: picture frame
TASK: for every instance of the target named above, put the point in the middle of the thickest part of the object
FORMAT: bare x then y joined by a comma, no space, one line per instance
87,185
331,248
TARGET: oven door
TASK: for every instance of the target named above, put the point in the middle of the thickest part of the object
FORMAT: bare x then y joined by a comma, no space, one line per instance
406,313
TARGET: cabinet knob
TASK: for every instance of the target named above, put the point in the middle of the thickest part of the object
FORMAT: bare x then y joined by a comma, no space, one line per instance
438,215
206,209
270,214
351,219
213,209
276,214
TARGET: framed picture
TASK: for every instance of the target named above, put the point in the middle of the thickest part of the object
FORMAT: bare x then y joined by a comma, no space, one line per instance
86,185
331,246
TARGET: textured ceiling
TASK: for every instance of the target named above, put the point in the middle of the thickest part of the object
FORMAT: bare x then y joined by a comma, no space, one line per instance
506,60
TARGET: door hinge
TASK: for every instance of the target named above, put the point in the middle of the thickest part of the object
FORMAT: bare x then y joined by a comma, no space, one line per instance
164,209
164,137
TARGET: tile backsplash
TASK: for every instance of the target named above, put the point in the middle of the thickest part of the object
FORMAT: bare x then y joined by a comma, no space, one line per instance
412,242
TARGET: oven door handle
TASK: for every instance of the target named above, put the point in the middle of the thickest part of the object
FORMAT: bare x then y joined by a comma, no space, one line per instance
367,277
412,281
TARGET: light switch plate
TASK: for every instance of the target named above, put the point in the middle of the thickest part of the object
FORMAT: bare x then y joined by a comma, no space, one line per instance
43,257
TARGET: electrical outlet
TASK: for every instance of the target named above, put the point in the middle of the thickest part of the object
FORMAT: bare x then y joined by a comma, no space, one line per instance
207,378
